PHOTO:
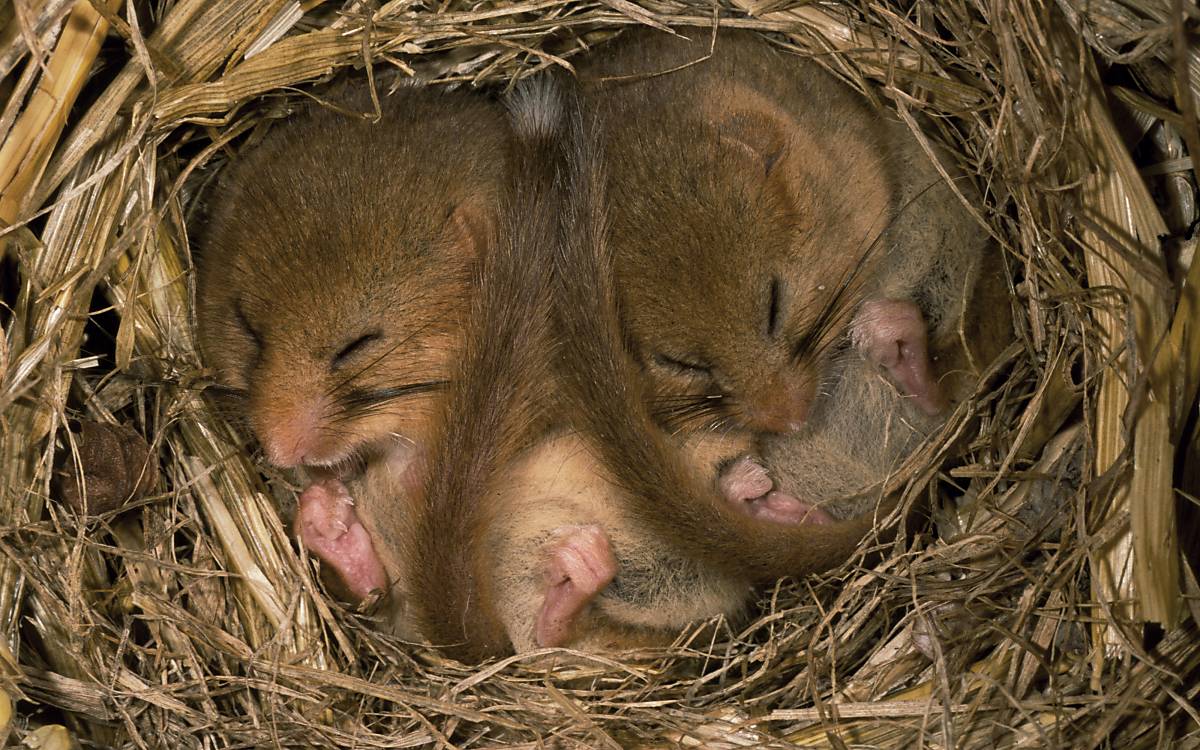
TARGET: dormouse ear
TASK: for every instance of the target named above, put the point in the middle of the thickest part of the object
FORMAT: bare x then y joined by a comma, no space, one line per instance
753,123
470,228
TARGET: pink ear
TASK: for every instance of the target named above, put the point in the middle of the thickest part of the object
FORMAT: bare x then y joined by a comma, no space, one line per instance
892,334
751,122
580,565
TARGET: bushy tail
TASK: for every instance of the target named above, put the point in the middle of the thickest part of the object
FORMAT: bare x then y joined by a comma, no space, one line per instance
495,403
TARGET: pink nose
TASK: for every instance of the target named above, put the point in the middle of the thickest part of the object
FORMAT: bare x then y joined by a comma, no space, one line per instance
292,440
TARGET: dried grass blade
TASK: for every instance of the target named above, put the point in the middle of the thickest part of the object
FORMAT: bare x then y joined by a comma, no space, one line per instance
15,40
76,238
242,561
1141,566
195,36
35,134
285,63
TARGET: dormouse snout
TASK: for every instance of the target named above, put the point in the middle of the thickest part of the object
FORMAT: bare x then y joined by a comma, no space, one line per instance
782,406
290,433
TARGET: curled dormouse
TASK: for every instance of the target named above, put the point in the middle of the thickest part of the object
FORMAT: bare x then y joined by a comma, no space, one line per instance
791,268
333,275
335,265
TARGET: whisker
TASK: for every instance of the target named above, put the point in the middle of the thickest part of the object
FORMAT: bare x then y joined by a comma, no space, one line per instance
677,412
848,293
361,401
402,439
383,355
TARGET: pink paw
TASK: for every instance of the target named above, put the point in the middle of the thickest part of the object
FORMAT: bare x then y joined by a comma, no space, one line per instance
330,529
749,488
580,564
782,508
745,480
892,334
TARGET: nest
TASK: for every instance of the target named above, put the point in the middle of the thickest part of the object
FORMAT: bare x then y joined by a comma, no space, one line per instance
1045,602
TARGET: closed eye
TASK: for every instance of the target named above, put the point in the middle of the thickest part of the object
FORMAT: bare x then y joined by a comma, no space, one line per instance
354,347
774,305
683,366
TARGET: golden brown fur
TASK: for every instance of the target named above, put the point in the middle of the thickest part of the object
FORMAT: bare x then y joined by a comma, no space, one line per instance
560,485
663,495
335,266
496,405
753,187
564,483
503,483
747,192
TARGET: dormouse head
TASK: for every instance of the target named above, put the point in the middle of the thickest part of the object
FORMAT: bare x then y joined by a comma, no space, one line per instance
335,266
743,242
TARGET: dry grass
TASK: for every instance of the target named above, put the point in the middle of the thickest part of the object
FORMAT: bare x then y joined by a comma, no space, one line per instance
1026,614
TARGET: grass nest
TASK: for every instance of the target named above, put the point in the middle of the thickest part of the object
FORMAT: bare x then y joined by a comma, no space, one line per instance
1047,602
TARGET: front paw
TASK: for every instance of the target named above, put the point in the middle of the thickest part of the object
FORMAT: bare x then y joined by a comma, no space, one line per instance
744,480
749,488
330,528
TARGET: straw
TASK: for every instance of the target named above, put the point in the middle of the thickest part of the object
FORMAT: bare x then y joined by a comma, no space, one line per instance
1042,603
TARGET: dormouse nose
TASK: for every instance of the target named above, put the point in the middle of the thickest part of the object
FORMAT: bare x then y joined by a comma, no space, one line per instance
289,436
782,406
287,408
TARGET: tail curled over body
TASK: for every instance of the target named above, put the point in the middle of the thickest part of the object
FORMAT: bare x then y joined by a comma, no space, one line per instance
497,403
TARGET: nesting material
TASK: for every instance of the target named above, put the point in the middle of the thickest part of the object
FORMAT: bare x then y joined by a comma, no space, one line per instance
1042,603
